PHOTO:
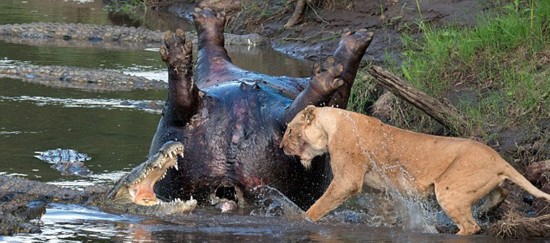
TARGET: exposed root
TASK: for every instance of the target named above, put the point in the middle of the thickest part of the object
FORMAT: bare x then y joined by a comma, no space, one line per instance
516,226
297,15
302,5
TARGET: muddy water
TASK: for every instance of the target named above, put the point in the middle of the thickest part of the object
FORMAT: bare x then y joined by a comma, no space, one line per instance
115,131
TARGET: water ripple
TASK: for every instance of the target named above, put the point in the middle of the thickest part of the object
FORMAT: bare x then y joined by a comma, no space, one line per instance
153,106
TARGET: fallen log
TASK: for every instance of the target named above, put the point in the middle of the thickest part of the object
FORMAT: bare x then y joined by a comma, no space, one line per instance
443,112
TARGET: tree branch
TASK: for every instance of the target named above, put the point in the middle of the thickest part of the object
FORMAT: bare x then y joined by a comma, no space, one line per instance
443,112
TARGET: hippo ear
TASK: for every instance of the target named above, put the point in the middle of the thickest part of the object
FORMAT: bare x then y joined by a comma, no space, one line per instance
309,114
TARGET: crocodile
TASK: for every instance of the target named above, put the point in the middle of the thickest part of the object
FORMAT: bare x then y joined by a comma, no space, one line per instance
137,186
132,193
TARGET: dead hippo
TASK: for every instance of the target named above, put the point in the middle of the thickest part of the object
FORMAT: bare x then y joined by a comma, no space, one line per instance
231,120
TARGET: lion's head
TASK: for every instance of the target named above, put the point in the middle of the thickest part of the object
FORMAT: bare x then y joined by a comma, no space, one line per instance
305,136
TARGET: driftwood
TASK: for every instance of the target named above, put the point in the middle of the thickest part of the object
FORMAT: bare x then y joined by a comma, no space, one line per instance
443,112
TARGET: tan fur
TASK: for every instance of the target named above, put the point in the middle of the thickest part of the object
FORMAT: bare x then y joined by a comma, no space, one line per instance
365,151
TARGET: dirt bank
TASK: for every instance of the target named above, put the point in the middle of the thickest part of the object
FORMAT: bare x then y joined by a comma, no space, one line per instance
318,34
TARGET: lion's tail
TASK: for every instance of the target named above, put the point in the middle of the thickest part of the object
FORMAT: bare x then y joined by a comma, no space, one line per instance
521,181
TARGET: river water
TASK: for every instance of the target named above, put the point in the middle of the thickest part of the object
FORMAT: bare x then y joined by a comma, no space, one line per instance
34,118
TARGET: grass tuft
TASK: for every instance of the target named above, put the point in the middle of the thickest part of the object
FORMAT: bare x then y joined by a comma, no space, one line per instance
496,73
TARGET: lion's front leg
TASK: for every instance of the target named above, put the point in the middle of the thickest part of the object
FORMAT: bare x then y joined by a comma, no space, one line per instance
338,192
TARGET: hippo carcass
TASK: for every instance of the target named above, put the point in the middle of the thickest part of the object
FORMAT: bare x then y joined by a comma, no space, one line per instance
231,120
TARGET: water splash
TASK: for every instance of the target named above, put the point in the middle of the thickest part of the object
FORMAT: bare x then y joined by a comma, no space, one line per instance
409,211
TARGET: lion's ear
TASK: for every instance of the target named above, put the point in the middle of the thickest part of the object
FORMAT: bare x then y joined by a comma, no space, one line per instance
309,114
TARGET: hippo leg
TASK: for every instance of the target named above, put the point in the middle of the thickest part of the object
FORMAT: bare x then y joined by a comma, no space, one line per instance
183,94
213,63
324,82
350,50
331,83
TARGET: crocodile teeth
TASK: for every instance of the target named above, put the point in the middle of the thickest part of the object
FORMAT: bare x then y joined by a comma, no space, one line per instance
176,166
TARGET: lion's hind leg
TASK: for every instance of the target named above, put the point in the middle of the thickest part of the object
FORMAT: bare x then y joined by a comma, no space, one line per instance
458,209
493,199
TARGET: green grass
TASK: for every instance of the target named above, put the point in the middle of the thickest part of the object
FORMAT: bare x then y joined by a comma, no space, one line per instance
124,6
504,61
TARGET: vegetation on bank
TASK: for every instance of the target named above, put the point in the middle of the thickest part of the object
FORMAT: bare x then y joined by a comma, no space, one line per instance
497,73
124,6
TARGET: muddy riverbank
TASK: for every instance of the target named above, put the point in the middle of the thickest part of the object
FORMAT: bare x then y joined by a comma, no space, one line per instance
318,34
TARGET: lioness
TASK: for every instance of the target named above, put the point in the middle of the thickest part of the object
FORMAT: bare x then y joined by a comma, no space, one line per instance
363,150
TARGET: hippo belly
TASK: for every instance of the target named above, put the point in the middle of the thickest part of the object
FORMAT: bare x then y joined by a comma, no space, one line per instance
232,145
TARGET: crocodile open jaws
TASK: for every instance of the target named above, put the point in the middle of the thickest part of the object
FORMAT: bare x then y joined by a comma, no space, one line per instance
137,186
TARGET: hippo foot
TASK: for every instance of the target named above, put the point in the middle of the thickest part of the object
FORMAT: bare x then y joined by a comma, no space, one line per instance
326,77
325,81
356,40
177,53
209,25
331,82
